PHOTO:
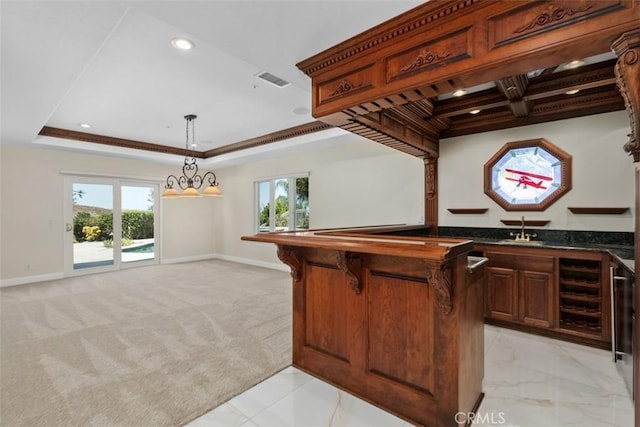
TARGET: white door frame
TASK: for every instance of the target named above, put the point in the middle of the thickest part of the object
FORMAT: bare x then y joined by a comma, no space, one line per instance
116,183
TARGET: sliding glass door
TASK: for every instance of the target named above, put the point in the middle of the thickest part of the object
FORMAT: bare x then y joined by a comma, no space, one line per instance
111,223
92,223
138,225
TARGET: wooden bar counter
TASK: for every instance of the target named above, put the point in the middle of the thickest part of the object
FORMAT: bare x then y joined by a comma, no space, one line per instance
397,321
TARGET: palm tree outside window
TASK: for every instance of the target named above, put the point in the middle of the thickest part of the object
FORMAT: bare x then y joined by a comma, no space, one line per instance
283,203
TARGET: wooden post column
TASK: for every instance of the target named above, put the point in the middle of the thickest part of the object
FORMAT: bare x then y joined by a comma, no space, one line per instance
627,70
431,193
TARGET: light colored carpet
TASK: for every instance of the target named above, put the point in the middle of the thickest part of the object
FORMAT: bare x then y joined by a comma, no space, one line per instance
146,346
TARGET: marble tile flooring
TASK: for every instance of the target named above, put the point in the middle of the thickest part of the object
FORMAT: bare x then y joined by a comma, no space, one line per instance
529,381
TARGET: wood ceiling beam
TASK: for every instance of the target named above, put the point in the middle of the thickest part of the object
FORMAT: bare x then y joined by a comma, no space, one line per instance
293,132
416,136
485,100
367,129
518,93
513,88
73,135
304,129
425,128
590,77
520,108
558,108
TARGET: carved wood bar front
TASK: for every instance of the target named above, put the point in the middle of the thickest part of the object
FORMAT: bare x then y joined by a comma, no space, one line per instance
397,321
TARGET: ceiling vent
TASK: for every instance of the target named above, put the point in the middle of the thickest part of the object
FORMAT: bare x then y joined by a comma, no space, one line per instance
274,80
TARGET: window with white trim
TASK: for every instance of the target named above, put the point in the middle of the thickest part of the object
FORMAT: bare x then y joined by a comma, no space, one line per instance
282,204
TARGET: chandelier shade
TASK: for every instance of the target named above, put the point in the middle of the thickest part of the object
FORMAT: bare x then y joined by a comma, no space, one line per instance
190,181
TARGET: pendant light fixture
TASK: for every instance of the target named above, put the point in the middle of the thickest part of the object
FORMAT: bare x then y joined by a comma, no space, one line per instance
190,182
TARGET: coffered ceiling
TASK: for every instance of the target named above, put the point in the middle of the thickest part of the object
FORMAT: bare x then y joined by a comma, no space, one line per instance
572,89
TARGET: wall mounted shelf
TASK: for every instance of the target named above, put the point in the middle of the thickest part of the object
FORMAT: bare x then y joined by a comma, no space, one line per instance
598,211
467,210
527,222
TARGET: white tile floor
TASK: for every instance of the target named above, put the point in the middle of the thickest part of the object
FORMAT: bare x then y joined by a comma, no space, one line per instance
529,381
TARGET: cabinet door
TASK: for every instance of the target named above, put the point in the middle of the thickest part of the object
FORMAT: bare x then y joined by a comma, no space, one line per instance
536,302
502,293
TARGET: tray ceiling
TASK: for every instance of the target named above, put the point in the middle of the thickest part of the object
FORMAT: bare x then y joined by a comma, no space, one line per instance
111,65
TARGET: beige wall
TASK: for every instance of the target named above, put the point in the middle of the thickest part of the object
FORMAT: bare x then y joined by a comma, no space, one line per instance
354,182
602,174
32,222
359,183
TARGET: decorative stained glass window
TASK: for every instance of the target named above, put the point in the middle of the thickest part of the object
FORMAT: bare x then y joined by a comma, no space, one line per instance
527,175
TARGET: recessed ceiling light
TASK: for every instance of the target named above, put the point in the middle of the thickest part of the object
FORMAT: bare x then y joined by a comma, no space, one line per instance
535,73
182,43
84,125
474,111
572,91
459,92
573,64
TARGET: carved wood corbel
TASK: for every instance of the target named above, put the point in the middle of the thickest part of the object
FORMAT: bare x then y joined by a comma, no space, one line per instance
351,265
627,70
289,256
440,279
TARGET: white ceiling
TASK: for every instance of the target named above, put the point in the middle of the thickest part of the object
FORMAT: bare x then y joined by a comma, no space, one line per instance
111,64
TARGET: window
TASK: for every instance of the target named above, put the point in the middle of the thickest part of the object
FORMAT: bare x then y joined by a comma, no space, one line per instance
527,175
283,203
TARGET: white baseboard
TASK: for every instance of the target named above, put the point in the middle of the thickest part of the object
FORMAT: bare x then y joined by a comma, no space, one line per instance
55,276
30,279
188,259
257,263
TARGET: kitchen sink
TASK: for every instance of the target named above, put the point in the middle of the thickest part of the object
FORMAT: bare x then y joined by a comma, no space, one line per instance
522,242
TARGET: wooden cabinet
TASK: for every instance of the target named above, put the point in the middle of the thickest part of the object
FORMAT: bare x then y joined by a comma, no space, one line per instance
555,292
520,288
502,293
536,300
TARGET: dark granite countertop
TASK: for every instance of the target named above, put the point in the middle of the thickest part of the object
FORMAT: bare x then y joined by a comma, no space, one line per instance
618,244
622,252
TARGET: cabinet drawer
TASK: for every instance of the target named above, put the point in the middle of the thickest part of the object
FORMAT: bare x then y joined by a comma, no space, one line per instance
521,261
497,259
536,263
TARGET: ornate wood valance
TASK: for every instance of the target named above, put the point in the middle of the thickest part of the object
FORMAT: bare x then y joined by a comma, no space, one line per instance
385,83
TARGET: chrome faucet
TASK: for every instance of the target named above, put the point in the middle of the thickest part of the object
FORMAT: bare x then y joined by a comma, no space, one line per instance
522,236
